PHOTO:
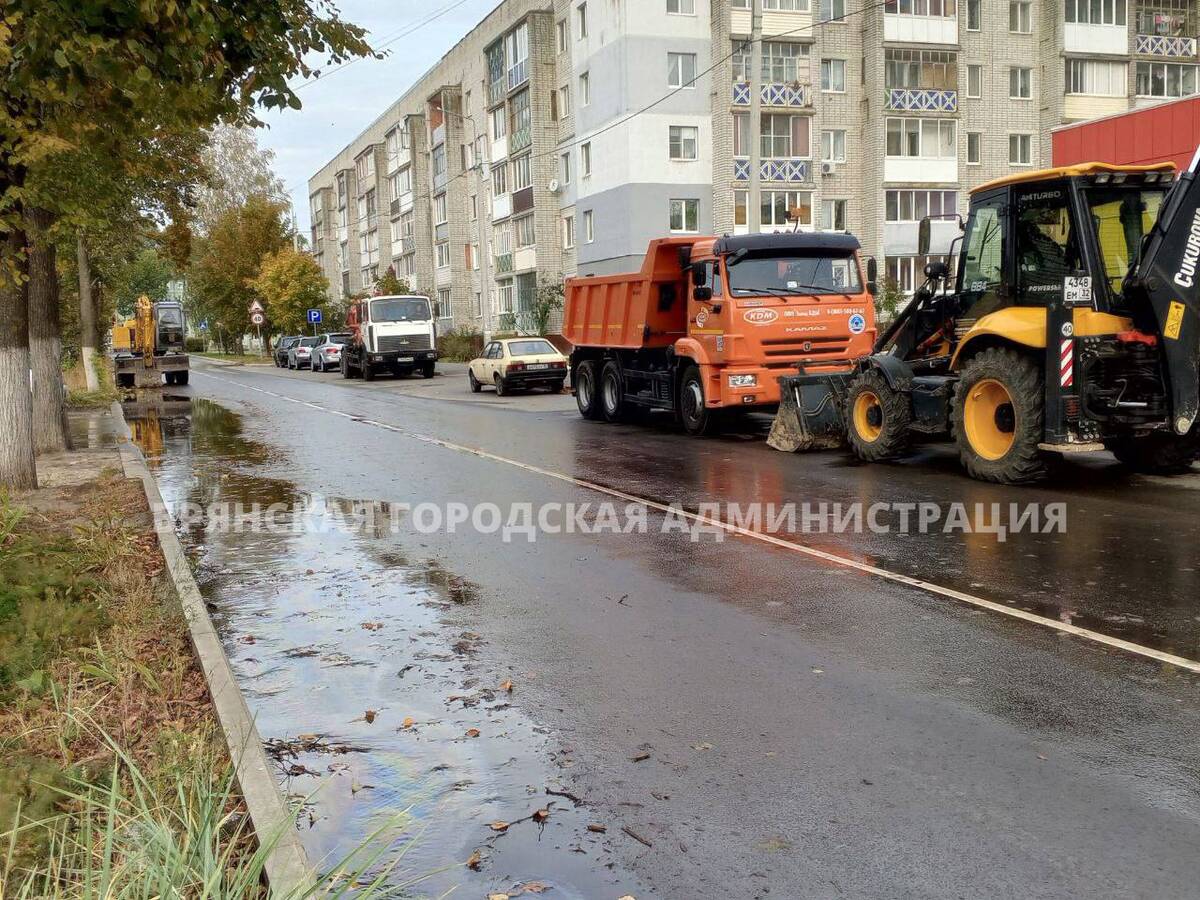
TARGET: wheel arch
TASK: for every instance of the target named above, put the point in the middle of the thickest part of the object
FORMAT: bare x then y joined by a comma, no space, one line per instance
1020,327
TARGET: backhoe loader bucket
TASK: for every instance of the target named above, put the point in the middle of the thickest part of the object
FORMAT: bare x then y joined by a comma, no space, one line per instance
810,413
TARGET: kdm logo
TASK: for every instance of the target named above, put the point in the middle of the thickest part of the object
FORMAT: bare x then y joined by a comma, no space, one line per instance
760,316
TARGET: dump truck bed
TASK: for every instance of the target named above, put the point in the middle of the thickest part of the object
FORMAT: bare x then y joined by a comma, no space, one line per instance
645,309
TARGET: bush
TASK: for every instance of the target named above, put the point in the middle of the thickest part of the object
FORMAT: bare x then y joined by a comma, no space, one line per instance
460,345
195,345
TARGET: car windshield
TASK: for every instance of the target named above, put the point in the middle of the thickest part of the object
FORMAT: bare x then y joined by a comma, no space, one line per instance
309,342
339,338
1123,216
405,309
170,317
793,274
530,348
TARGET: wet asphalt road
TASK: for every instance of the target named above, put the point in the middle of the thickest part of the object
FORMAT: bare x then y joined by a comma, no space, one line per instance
772,724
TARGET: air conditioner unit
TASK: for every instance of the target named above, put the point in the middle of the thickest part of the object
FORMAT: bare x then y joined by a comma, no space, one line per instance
828,168
553,186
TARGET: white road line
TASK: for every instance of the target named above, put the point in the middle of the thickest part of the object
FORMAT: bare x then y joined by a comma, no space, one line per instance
833,558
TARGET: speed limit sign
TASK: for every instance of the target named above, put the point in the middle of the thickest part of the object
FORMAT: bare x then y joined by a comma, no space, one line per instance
257,318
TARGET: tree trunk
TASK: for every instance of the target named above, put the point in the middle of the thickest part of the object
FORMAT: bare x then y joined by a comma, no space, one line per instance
17,467
87,316
50,433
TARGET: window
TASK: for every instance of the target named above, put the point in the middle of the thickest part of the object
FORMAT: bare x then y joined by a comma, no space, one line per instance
568,232
585,89
502,239
1020,16
391,145
439,209
1166,18
499,179
517,51
779,209
983,270
406,225
522,173
477,305
365,166
525,232
833,146
499,123
519,115
974,15
833,10
1098,78
581,20
1020,83
681,70
564,167
472,257
914,205
974,81
585,158
833,215
833,75
684,141
685,216
920,7
783,136
560,28
589,227
782,5
564,102
921,69
1165,80
1095,12
782,62
442,308
443,254
974,149
438,161
681,7
1020,149
908,271
924,138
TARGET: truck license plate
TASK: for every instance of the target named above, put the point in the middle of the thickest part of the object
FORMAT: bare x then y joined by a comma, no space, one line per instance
536,366
405,359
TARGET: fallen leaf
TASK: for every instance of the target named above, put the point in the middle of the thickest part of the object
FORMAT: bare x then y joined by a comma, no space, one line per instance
541,815
475,860
309,572
372,626
472,732
499,826
703,745
627,897
534,887
355,787
369,715
598,829
506,686
497,897
249,639
641,757
408,722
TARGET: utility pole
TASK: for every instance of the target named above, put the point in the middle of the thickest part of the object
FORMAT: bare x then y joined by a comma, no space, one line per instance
483,218
754,199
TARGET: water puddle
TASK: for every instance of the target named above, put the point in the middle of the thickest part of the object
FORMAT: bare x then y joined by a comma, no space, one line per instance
366,686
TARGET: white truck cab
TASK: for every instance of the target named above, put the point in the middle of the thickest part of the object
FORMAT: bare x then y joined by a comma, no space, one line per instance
393,333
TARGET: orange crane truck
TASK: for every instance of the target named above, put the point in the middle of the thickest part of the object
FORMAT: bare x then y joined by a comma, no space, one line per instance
709,325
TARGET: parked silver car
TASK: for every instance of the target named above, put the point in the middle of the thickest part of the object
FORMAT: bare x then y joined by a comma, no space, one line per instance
327,354
300,355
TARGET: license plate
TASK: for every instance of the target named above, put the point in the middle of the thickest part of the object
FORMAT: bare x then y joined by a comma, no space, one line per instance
537,366
405,359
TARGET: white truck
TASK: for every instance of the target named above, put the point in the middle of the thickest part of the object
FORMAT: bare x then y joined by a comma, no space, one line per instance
393,334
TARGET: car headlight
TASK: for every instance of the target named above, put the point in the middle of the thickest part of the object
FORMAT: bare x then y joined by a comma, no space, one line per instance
743,380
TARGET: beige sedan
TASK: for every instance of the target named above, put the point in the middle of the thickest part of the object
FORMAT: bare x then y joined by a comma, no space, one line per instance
516,364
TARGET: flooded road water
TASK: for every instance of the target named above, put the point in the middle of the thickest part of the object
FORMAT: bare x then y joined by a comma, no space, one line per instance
358,656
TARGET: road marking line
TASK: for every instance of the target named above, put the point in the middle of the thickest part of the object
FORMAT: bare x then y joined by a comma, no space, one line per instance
833,558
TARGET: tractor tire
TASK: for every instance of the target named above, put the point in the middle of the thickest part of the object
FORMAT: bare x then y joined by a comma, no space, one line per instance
181,378
1159,453
877,419
612,393
998,417
695,416
587,390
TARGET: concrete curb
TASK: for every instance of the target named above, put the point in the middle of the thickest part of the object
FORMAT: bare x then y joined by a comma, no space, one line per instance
287,866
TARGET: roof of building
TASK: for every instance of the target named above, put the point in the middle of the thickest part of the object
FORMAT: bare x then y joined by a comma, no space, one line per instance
1088,168
788,240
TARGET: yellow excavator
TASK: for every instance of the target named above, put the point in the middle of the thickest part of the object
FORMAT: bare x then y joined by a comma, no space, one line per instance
150,347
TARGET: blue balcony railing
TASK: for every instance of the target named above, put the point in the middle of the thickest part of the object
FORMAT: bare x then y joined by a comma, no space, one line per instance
1163,45
774,93
789,171
922,100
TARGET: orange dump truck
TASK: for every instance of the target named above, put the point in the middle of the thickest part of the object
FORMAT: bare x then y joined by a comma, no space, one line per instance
709,324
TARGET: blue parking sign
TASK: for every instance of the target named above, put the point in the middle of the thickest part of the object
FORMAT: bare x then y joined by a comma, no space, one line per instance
314,317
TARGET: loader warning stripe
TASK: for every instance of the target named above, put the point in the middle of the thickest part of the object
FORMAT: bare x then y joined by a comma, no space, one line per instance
1067,363
1097,637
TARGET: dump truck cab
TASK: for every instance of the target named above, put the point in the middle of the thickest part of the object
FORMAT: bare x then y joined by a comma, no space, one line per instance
709,324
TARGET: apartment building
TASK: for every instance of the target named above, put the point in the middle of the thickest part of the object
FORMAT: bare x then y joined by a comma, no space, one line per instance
559,136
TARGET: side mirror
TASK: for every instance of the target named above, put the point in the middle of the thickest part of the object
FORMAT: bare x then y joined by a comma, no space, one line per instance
699,274
937,269
924,236
703,293
872,269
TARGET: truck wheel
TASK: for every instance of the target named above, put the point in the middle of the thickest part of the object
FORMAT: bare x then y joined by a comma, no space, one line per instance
1159,453
345,367
998,417
368,373
428,370
612,393
587,394
877,419
181,378
697,419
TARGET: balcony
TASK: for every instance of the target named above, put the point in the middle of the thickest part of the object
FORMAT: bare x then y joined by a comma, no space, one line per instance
1163,45
408,245
518,74
920,29
394,208
520,140
501,207
500,149
497,91
525,259
504,263
920,170
1084,37
789,171
775,22
792,95
921,100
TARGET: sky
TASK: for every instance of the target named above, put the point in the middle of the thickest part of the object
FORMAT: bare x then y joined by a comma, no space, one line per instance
340,104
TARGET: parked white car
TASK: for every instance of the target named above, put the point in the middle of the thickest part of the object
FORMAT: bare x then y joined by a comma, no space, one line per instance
327,354
300,355
517,364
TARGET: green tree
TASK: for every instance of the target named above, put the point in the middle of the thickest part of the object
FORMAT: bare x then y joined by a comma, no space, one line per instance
290,283
147,273
389,285
95,71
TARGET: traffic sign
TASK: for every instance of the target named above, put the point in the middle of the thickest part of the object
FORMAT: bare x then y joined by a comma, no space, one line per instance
314,317
257,318
255,306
